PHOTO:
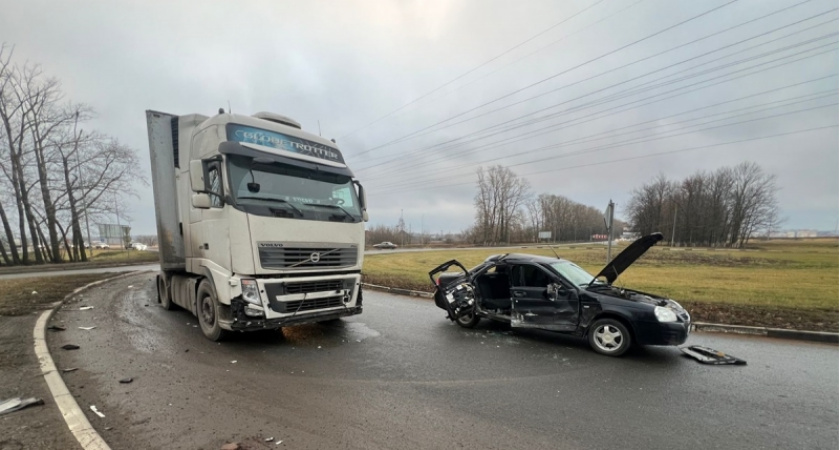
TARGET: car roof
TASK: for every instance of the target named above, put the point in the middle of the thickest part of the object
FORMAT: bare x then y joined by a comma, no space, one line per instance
523,258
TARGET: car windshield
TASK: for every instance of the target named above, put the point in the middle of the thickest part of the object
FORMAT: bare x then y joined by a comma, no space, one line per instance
291,191
573,273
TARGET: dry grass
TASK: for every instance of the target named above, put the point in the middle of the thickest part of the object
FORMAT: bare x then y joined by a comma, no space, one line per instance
790,274
18,298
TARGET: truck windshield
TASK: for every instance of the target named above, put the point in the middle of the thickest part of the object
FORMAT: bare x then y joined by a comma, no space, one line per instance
284,190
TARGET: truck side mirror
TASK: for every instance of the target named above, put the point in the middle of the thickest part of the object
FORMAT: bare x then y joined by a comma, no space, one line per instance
197,176
201,201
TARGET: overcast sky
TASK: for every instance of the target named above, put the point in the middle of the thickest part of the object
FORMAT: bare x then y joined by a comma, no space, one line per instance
585,99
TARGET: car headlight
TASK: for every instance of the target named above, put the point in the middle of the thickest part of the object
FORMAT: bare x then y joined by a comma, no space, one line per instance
250,292
664,314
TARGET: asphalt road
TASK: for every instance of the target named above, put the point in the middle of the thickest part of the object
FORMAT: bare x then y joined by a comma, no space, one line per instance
400,376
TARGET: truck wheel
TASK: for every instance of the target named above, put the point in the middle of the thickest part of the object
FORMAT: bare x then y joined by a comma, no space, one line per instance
208,312
609,337
164,297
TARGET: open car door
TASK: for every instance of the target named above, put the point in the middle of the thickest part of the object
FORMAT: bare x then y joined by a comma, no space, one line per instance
454,292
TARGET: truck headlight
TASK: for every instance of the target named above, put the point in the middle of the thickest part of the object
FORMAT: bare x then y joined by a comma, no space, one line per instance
664,314
250,292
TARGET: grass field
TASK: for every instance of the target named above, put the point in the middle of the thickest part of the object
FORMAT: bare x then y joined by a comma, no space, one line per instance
778,280
25,295
119,255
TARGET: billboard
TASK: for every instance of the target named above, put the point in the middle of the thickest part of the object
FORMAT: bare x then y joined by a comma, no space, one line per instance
114,234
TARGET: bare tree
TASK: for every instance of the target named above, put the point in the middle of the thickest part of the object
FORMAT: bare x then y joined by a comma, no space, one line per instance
500,195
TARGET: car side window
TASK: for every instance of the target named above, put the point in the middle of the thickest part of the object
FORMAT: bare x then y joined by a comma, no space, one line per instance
533,276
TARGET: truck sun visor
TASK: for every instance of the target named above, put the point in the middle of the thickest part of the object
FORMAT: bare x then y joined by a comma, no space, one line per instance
280,141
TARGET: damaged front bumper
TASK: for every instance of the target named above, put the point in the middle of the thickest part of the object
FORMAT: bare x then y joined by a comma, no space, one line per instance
240,322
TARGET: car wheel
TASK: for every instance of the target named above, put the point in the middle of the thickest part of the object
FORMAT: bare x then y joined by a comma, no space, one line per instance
164,297
468,321
208,313
609,337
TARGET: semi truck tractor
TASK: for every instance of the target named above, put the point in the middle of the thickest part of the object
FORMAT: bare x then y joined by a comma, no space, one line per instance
260,224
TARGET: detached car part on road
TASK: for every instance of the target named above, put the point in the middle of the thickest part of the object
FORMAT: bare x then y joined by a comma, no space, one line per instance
530,291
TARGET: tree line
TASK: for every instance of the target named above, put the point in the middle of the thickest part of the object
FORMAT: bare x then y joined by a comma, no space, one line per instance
724,208
507,211
56,177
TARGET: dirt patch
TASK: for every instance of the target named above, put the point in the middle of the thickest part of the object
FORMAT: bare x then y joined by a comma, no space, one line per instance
27,295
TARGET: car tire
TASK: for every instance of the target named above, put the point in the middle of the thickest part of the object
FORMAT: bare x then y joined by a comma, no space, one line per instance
208,312
164,296
468,321
609,337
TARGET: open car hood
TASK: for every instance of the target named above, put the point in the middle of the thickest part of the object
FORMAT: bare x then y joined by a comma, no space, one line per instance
630,254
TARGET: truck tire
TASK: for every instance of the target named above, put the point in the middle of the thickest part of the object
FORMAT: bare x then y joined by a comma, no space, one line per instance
164,296
207,310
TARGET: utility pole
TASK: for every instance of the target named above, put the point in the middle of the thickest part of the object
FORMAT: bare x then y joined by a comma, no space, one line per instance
674,229
608,221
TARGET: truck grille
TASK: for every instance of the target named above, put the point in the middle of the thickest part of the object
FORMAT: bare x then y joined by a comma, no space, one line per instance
307,305
304,257
314,286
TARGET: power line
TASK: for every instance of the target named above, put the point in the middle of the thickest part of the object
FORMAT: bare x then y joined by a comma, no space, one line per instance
631,141
475,68
657,33
649,155
495,126
497,131
611,134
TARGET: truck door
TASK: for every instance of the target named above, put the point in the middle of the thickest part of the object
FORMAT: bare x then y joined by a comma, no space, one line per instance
540,301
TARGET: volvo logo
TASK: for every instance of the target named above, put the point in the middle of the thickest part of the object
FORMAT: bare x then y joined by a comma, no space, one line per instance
315,257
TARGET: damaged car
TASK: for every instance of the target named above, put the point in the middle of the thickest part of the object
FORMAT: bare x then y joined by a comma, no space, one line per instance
531,291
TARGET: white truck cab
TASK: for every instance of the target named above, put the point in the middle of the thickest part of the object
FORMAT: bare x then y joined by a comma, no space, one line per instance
260,224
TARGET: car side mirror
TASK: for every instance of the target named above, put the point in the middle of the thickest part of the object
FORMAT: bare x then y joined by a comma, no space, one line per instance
553,290
201,201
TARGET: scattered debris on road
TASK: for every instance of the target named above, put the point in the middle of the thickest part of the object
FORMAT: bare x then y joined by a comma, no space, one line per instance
96,411
18,403
85,308
269,439
70,347
69,369
233,362
708,355
126,380
56,328
86,328
231,446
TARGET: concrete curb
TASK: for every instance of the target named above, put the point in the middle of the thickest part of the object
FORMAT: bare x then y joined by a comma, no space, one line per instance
780,333
73,415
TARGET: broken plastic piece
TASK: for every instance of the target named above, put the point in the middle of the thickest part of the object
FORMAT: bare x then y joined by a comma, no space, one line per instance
126,380
70,347
17,403
708,355
86,328
269,439
233,362
93,408
56,328
85,308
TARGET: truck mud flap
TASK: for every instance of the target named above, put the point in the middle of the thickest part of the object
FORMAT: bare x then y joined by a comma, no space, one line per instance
708,355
